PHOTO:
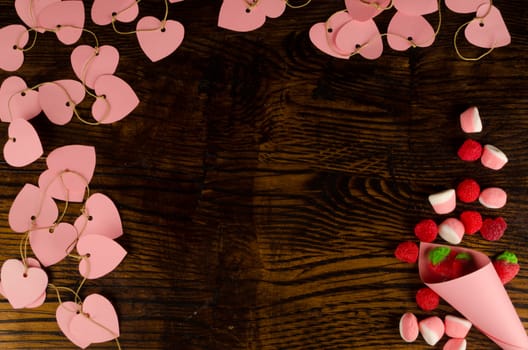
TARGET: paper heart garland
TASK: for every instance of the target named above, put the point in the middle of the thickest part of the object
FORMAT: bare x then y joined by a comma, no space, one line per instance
23,146
28,11
100,217
322,34
59,98
102,255
119,99
90,63
159,39
488,29
64,315
405,30
12,38
237,15
22,286
123,10
52,245
361,36
17,101
365,10
97,323
32,208
65,18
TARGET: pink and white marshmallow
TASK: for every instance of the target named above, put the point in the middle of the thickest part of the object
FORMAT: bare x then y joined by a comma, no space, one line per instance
470,120
409,327
456,327
451,230
455,344
443,202
493,158
493,198
432,329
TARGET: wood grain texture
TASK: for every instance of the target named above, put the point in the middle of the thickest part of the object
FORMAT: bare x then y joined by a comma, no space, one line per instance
263,185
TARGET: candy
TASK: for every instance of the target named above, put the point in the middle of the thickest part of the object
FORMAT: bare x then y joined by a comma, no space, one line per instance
470,120
493,197
441,260
472,221
427,299
456,327
493,158
407,252
451,230
507,266
493,229
432,329
468,190
470,150
443,202
455,344
426,230
409,327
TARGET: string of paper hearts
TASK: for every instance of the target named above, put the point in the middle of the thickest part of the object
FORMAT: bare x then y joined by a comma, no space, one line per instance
353,30
35,213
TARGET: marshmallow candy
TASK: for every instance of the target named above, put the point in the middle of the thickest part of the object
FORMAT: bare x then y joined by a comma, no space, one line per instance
493,197
493,158
456,327
451,230
432,329
409,327
455,344
443,202
470,120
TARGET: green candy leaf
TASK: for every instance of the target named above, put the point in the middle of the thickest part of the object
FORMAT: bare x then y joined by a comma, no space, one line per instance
438,254
508,257
463,256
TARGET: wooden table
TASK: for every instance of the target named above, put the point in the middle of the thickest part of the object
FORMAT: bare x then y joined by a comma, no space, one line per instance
263,185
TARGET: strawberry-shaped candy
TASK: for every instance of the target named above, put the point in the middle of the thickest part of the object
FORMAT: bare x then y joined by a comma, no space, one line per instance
507,266
462,265
440,259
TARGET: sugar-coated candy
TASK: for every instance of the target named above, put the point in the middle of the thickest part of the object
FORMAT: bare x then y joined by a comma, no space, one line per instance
426,230
493,229
456,327
493,197
470,150
432,329
493,158
407,252
455,344
409,327
443,202
468,190
451,230
427,299
507,266
470,121
472,221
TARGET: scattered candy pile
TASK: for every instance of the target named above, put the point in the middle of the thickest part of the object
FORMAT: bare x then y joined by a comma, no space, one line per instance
445,263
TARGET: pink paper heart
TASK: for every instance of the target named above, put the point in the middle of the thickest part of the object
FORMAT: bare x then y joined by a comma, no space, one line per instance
404,29
361,11
17,101
159,40
272,8
100,217
40,300
175,1
465,6
104,255
119,101
23,146
64,314
416,8
12,39
22,287
32,208
90,63
98,322
53,245
65,18
124,11
488,30
28,10
322,35
59,98
237,15
70,170
362,36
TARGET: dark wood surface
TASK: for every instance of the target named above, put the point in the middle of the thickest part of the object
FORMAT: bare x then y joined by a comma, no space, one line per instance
264,185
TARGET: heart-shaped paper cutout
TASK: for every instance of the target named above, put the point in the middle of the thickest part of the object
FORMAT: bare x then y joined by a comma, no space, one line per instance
488,30
361,36
22,286
272,8
465,6
175,1
405,30
322,35
70,170
90,63
416,8
65,18
237,15
28,10
12,39
158,40
101,255
52,245
64,314
362,10
124,11
17,101
23,146
32,208
59,98
40,300
97,323
100,217
118,102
